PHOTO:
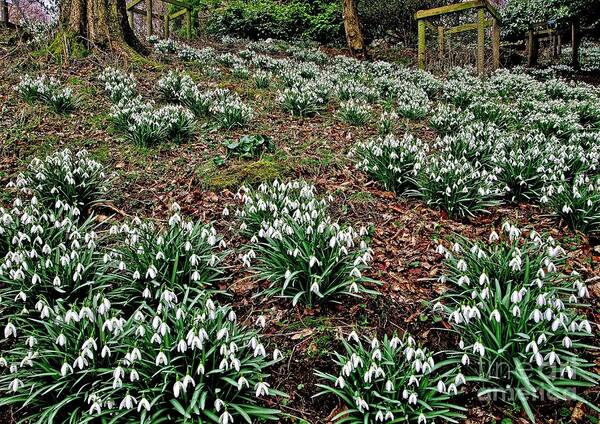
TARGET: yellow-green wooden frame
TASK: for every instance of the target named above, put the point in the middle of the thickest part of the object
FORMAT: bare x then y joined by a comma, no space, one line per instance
482,6
185,10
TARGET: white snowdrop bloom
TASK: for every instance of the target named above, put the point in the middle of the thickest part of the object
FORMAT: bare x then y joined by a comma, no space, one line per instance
161,359
479,348
259,350
277,355
134,376
61,340
66,369
585,326
261,321
151,272
315,288
361,405
379,416
465,359
225,418
178,388
188,381
262,389
412,399
15,385
143,404
441,387
146,294
340,382
461,265
516,311
538,358
536,315
567,343
95,408
452,389
495,315
569,371
493,237
182,346
552,357
389,386
353,336
10,330
128,402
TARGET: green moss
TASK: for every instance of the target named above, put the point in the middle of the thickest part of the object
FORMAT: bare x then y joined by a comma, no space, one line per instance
65,45
236,174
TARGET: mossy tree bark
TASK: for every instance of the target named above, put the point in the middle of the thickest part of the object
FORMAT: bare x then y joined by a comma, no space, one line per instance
354,36
4,13
99,24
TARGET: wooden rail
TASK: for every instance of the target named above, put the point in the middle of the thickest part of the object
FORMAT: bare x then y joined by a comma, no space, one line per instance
185,10
482,6
556,35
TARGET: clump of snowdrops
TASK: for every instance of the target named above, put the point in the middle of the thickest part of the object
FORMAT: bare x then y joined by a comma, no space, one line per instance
118,84
517,311
392,380
65,179
393,162
355,112
298,249
48,90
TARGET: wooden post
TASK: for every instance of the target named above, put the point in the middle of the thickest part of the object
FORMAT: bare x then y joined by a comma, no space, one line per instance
149,18
575,43
481,41
167,22
496,44
441,41
188,23
422,47
532,49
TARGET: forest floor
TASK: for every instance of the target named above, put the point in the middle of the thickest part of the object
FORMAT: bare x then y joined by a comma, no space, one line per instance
148,180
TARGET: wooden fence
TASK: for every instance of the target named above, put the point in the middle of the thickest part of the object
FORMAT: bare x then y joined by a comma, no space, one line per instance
483,7
184,10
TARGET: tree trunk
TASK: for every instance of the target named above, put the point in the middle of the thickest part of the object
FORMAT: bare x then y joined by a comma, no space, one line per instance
99,23
4,13
354,36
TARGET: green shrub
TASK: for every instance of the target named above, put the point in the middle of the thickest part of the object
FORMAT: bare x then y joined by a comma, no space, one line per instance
456,186
320,20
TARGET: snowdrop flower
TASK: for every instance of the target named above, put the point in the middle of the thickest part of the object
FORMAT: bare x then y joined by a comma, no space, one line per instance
143,404
479,348
412,399
161,359
495,315
66,369
262,389
128,402
10,330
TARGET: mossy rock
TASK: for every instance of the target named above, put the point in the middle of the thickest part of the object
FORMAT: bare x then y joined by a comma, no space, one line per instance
236,174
